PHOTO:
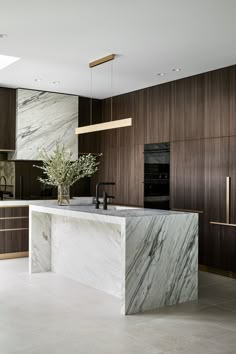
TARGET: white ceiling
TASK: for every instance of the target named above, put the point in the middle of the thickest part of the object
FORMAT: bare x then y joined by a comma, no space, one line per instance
57,38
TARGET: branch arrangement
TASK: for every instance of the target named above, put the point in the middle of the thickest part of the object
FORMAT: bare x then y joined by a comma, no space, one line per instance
59,169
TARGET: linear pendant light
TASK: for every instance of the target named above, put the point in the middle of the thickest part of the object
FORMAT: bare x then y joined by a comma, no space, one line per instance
112,124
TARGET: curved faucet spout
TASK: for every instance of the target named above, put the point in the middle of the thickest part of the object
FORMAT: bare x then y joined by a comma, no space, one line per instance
97,191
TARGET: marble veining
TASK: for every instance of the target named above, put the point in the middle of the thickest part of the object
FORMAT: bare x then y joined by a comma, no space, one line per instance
148,258
42,119
40,242
162,265
75,241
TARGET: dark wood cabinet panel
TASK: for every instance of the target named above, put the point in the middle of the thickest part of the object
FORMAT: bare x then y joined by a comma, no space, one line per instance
187,180
232,174
216,169
7,119
217,103
177,173
194,175
194,107
187,108
217,243
177,126
197,116
198,182
158,114
232,97
8,212
14,233
2,242
187,175
16,241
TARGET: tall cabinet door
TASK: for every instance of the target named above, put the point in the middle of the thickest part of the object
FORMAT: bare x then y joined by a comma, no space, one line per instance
231,232
187,175
187,180
219,240
198,182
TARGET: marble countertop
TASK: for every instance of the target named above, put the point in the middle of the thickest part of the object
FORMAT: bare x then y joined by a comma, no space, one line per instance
83,207
18,202
114,214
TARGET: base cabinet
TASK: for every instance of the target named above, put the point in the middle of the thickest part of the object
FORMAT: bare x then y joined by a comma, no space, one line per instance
14,232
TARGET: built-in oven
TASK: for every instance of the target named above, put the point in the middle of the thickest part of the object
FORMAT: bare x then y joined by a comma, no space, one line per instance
157,176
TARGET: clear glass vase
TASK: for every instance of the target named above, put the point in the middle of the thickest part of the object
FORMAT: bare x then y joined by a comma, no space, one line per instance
63,194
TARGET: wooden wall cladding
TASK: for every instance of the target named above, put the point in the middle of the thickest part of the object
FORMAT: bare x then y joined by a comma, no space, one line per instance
187,175
198,116
198,182
7,118
198,107
217,99
157,127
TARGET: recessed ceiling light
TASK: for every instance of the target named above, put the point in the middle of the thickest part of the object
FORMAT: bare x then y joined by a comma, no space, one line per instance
6,60
3,35
177,69
56,82
37,80
161,74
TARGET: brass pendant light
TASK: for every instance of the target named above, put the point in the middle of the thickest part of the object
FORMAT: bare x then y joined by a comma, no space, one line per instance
112,124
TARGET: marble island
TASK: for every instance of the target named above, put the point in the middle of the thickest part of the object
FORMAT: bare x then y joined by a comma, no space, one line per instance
148,258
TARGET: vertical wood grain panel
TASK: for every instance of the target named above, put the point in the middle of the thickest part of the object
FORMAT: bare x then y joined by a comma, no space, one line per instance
17,240
177,173
7,118
158,114
216,168
232,97
177,126
197,115
217,103
232,174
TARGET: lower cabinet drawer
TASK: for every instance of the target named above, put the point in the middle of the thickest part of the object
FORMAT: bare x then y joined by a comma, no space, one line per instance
14,230
14,241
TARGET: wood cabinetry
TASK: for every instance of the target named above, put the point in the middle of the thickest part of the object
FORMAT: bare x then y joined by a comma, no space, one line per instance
7,119
197,116
198,182
14,232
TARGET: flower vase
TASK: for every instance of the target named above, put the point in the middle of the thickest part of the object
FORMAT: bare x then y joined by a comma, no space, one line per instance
63,194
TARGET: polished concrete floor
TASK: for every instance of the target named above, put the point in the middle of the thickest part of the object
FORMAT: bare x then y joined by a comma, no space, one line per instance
49,314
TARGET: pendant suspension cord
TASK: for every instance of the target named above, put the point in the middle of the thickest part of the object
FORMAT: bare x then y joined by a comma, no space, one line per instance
111,88
91,96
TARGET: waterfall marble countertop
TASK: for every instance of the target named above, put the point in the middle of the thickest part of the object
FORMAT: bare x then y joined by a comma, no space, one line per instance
146,257
112,214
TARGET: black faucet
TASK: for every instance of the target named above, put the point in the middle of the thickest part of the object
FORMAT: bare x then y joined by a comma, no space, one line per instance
5,182
105,197
2,192
97,191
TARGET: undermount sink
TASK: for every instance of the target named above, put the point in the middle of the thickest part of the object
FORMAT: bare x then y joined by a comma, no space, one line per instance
119,207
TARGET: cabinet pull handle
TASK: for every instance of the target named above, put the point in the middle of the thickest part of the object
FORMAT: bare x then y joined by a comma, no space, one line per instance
227,199
227,203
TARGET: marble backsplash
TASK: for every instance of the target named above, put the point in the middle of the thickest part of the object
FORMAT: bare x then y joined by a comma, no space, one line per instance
42,119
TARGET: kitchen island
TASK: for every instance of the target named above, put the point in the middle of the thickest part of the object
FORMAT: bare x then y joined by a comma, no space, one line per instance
148,258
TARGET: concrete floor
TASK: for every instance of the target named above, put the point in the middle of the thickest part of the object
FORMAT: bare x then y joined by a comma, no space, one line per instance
49,314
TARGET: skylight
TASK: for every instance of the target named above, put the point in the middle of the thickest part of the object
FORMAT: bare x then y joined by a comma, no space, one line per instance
6,60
